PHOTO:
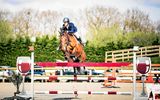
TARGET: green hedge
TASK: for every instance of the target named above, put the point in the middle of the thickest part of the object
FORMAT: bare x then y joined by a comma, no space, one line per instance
46,50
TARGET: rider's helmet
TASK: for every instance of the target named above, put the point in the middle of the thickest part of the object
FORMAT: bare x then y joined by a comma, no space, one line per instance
66,19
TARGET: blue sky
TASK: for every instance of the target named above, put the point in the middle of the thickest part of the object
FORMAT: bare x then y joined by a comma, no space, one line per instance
152,7
152,3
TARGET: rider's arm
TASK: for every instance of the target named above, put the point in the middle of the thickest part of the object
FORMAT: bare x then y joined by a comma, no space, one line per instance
63,29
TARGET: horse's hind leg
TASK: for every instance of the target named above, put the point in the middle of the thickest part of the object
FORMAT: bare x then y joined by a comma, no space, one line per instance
77,69
74,69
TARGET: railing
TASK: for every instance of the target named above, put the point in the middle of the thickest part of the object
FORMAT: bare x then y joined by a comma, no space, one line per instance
127,54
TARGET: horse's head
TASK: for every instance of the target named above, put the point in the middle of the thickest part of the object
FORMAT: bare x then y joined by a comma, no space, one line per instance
63,41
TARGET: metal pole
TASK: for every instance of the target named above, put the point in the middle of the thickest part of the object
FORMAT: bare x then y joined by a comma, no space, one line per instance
90,74
143,94
32,73
61,72
23,89
134,75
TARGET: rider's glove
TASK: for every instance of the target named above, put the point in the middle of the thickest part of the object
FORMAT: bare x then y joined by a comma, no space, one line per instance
67,31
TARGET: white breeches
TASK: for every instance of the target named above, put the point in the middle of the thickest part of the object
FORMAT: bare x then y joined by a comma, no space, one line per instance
77,35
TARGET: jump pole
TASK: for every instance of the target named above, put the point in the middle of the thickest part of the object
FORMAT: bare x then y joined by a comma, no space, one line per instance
89,78
88,64
32,73
31,48
135,48
84,92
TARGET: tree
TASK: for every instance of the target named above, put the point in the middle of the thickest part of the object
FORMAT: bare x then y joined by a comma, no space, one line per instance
46,22
99,17
139,38
158,31
5,35
103,24
29,22
5,28
4,14
137,20
138,28
21,23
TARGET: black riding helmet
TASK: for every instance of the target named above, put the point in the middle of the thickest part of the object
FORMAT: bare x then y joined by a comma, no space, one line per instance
66,19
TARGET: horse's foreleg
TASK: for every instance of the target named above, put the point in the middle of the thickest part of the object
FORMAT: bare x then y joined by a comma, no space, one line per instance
71,60
75,72
83,58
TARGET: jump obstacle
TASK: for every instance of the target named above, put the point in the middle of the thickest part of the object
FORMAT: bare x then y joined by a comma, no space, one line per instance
120,64
86,64
89,78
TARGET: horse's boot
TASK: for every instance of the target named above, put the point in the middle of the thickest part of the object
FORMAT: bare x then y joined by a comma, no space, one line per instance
80,40
74,58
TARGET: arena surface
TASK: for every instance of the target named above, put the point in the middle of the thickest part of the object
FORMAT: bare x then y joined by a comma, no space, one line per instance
7,90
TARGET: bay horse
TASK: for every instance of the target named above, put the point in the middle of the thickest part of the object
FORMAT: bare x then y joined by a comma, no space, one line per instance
72,49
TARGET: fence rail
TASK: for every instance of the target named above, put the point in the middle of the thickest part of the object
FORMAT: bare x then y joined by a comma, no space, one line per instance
127,54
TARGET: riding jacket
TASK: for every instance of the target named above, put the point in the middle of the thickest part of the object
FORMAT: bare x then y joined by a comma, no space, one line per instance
71,28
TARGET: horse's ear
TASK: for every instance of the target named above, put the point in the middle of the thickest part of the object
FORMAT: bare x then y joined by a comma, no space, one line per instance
60,33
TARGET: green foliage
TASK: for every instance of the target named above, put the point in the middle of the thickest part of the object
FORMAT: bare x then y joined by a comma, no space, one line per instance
5,31
155,60
10,50
113,31
95,54
103,36
114,38
140,39
46,47
45,50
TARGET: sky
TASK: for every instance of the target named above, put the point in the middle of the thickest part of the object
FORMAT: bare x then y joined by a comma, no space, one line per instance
151,7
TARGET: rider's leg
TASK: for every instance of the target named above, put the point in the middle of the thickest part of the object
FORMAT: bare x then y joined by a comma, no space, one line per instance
78,37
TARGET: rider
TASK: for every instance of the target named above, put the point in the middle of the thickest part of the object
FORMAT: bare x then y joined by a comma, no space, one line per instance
70,28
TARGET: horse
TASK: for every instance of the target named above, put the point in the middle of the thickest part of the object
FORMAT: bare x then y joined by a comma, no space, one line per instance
72,49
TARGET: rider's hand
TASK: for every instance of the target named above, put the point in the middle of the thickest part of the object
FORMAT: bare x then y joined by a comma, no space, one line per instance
67,31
